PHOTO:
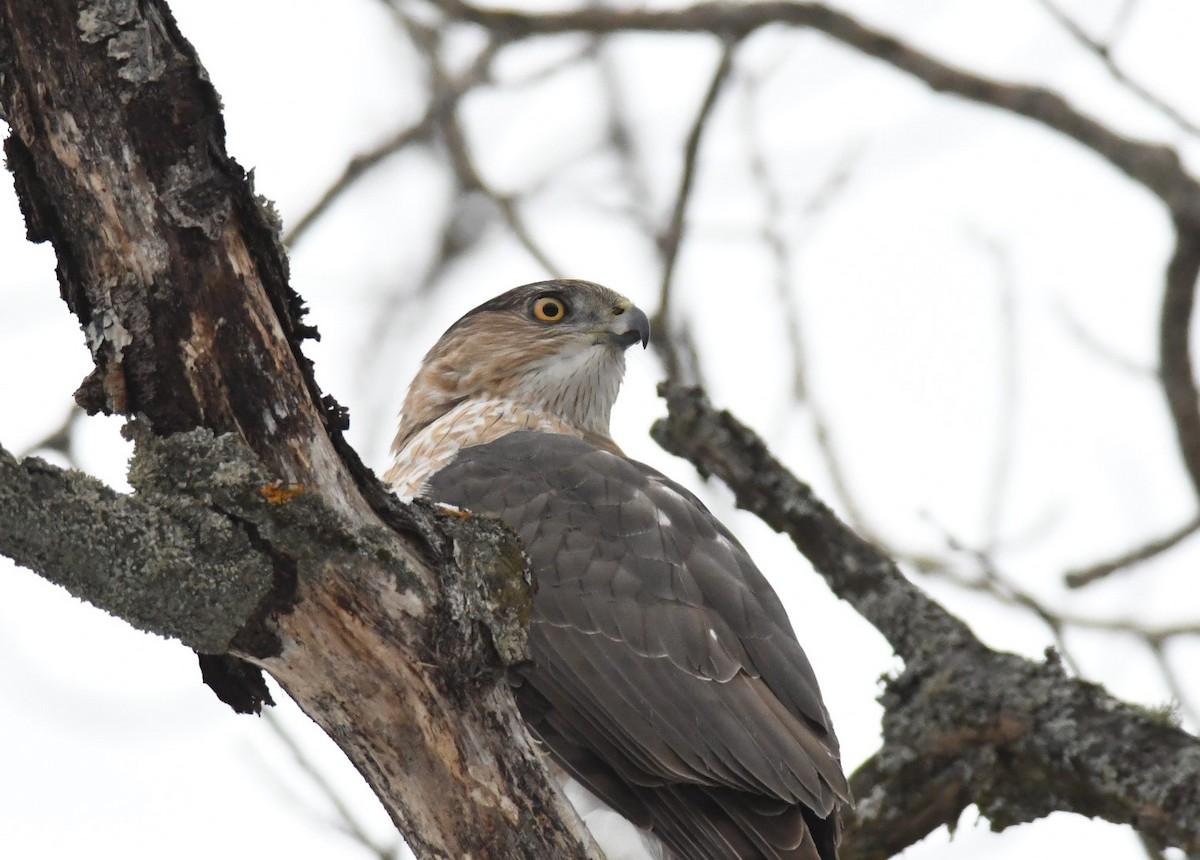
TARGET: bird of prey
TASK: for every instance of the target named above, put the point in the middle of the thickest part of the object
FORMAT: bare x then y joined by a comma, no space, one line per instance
666,682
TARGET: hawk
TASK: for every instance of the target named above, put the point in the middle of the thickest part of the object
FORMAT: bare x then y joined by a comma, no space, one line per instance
666,682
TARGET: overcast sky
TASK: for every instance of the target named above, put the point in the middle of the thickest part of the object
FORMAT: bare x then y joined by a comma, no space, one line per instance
974,279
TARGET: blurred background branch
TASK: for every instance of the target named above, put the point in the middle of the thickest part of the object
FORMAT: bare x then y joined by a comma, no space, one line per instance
966,321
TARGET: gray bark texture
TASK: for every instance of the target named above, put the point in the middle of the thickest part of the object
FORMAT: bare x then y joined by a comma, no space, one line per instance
255,534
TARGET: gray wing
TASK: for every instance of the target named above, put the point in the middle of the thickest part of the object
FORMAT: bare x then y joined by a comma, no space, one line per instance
665,673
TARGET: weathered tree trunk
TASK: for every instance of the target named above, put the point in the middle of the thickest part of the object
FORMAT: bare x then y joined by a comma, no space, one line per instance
256,536
373,617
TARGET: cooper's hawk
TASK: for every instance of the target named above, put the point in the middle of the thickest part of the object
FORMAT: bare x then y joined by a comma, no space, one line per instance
665,676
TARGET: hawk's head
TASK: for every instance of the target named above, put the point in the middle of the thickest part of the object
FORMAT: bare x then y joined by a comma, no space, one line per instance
553,348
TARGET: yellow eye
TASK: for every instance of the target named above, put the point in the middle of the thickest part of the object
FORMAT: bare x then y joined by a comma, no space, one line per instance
549,309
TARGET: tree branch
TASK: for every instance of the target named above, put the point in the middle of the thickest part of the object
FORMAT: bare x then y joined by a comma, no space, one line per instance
1079,577
1174,351
1154,166
963,724
359,166
179,570
376,617
1104,54
674,343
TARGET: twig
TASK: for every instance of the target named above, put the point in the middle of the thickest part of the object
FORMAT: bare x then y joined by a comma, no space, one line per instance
1120,20
346,822
1155,166
993,582
963,724
61,439
838,476
787,291
1174,357
358,167
472,180
1158,649
443,116
445,98
1104,54
1101,350
1082,576
772,236
621,137
671,238
1008,407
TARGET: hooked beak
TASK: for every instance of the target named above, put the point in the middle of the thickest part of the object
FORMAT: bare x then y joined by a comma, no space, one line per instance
630,326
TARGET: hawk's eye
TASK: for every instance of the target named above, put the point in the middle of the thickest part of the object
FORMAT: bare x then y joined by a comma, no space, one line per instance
549,309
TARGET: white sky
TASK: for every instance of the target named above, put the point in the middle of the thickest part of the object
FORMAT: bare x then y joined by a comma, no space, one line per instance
109,744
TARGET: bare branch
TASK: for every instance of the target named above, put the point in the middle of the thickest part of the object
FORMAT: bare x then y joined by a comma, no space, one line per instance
824,196
1093,344
1008,407
174,568
176,273
346,821
963,724
717,444
471,180
1120,21
773,237
1174,357
461,160
622,139
1104,54
780,251
1154,166
360,166
61,439
680,360
671,238
1082,576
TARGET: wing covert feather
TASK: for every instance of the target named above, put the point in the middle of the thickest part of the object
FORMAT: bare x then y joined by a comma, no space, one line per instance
661,655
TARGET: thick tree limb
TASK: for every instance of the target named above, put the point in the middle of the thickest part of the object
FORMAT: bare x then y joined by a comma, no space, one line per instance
189,574
963,724
176,274
179,283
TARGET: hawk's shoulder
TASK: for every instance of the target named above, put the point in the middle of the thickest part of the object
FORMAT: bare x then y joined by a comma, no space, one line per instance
664,666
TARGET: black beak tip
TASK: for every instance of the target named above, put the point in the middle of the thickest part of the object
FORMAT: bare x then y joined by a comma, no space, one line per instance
637,327
640,325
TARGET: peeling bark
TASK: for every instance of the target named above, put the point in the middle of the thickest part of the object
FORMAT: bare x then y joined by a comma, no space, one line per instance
254,532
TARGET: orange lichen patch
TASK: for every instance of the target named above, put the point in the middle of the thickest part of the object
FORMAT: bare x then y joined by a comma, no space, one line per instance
451,511
280,493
